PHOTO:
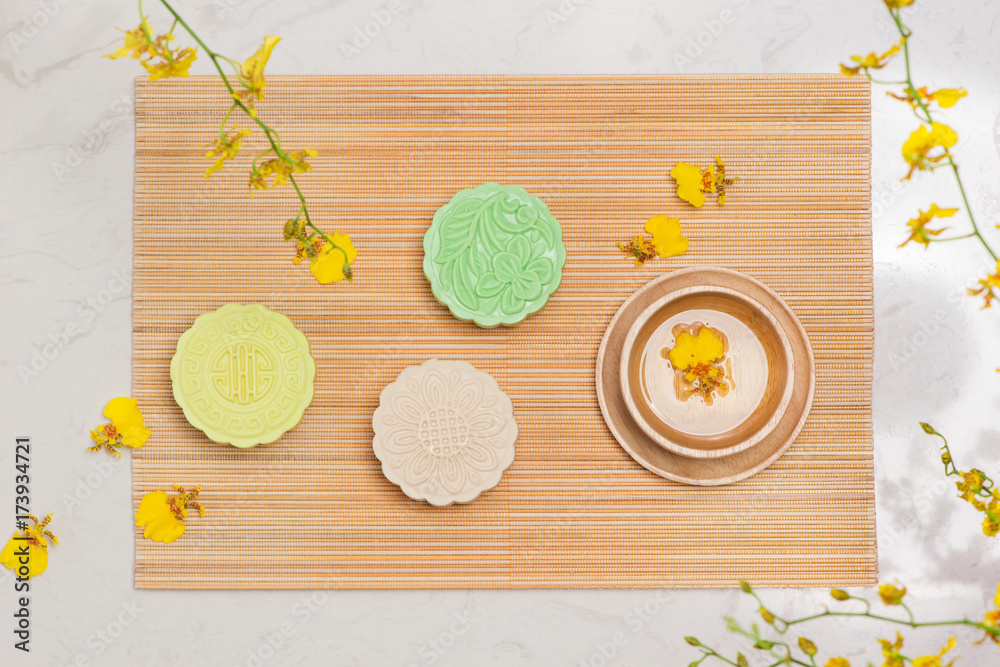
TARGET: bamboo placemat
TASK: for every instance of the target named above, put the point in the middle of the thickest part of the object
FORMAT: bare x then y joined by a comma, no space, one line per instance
314,511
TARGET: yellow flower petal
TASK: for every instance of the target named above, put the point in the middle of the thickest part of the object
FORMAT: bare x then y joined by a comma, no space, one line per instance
689,183
890,594
689,351
226,147
871,61
125,415
919,232
253,67
160,523
917,148
667,237
123,412
329,265
942,135
37,557
134,436
947,97
934,660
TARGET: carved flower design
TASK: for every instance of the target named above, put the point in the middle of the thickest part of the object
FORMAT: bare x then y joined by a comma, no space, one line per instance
494,254
444,432
518,275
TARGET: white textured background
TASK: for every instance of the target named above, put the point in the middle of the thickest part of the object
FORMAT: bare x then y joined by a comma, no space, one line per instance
65,245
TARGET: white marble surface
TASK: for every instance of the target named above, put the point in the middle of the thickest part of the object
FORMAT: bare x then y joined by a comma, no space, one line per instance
65,258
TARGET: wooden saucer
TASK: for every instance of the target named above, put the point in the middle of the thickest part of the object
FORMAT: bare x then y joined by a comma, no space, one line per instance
671,465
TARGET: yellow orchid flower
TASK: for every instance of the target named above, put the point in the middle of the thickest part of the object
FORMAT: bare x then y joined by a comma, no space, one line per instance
668,241
281,169
126,428
155,54
891,595
333,262
837,662
27,552
163,517
720,179
990,525
890,651
992,619
690,351
693,182
935,660
871,61
699,356
125,415
988,289
896,4
307,248
919,233
945,97
640,248
917,149
226,147
252,74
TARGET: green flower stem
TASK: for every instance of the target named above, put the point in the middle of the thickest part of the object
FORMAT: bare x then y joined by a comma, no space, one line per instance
236,69
253,163
888,619
272,135
142,24
905,33
791,660
347,264
222,125
215,61
955,238
787,660
950,469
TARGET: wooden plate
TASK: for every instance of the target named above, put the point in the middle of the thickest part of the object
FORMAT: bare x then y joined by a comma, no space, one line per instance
671,465
757,371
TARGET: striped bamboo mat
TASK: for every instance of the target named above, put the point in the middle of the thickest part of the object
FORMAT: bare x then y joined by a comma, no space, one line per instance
314,511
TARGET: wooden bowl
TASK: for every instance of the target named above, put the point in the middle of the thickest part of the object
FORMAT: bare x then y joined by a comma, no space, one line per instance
757,370
670,465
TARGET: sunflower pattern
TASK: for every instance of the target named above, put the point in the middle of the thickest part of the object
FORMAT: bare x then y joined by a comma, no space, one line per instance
444,432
